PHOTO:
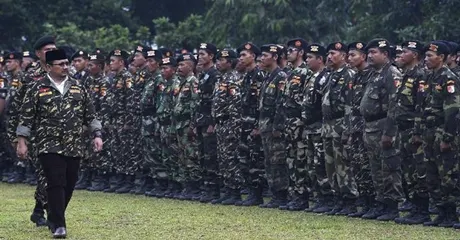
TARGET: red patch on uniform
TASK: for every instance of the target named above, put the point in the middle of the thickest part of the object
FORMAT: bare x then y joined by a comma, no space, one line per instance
350,85
44,90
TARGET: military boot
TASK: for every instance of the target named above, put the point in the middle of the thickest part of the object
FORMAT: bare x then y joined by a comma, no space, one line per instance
406,206
147,184
17,176
337,206
7,171
210,193
99,183
138,183
254,198
117,182
442,216
375,211
38,215
29,175
419,213
235,196
391,211
127,185
349,207
299,203
316,202
224,195
279,199
174,190
84,181
162,187
451,216
365,206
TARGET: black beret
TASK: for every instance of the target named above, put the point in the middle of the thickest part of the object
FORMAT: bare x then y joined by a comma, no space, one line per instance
69,51
185,57
413,45
12,56
96,56
380,43
453,48
29,54
271,48
155,54
298,43
166,52
43,41
337,46
142,49
458,48
250,47
357,46
226,53
54,55
208,47
80,53
119,53
437,47
316,49
397,48
168,61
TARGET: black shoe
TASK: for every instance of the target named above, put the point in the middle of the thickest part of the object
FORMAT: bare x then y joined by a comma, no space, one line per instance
419,213
18,176
406,206
279,199
324,205
235,196
85,180
433,209
127,185
117,183
60,232
174,189
348,208
456,226
224,197
38,219
299,205
210,193
375,212
337,207
96,181
451,217
101,185
254,198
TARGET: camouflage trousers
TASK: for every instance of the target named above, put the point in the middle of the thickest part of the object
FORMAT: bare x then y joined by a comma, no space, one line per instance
118,151
102,161
207,145
413,165
317,164
189,156
442,168
41,195
339,169
360,164
276,169
297,160
227,143
170,153
151,149
250,155
132,145
7,153
385,164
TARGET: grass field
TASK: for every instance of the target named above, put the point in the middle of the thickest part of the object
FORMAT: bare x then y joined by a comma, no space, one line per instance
111,216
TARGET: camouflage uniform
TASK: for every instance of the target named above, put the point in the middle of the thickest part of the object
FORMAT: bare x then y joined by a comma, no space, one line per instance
6,162
288,119
338,168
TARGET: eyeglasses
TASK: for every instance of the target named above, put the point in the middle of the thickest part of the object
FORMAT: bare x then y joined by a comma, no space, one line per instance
62,64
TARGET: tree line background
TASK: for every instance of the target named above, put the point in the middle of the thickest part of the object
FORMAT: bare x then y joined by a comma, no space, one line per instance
109,24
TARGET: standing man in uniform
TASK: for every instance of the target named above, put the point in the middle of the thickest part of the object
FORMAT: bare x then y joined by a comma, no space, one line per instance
272,139
288,120
338,167
28,58
80,63
205,124
58,133
377,108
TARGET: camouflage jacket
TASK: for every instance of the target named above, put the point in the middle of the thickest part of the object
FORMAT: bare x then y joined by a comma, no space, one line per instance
58,118
207,82
121,97
168,92
223,98
142,78
289,111
354,122
149,97
98,87
312,100
250,94
438,102
270,99
378,101
186,103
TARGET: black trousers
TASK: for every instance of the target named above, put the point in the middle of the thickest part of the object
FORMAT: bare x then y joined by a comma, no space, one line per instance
61,173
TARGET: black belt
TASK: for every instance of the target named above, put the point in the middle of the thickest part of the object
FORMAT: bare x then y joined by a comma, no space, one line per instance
404,125
374,118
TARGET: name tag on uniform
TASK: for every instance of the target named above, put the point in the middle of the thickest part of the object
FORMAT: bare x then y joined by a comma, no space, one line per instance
45,94
75,91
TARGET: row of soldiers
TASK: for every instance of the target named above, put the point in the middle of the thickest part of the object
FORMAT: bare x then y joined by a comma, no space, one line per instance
358,127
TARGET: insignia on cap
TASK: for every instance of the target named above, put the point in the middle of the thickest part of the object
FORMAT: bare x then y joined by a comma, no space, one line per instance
273,49
433,47
93,57
117,52
81,52
187,57
184,51
168,54
247,46
166,60
382,44
203,45
314,48
139,48
98,51
338,46
26,54
359,46
298,43
398,48
412,44
1,59
224,53
151,53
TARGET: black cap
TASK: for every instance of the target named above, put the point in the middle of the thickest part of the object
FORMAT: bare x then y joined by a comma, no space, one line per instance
12,56
81,54
299,43
168,61
142,49
43,41
166,52
413,45
453,48
271,48
185,57
226,53
29,54
337,46
155,54
97,56
437,47
119,53
53,55
209,47
380,43
316,49
359,46
250,47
